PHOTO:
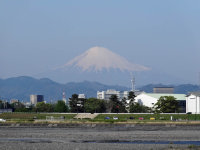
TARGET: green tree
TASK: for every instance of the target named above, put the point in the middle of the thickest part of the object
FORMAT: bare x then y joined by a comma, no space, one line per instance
125,104
43,107
18,106
49,107
93,105
116,105
73,103
76,104
22,110
137,108
166,104
40,107
61,106
131,97
1,104
114,99
32,108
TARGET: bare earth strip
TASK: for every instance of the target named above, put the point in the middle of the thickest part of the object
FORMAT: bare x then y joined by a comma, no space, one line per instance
24,138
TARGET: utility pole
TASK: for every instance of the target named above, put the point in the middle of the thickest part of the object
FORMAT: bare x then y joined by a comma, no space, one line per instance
64,97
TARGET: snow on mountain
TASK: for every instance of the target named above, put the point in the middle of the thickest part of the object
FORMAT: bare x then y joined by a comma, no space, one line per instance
99,58
102,65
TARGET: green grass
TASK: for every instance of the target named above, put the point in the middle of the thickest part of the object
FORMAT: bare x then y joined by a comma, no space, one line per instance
31,116
158,117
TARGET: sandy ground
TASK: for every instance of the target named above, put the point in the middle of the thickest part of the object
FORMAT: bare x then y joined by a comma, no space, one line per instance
91,139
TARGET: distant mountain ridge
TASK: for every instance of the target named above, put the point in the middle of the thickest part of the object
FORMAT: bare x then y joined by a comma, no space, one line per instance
22,87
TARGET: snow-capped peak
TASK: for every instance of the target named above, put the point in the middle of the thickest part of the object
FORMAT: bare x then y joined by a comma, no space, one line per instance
99,58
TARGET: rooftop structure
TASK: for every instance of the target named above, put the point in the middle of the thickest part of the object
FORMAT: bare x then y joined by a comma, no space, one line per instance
107,94
82,96
169,90
197,93
158,95
14,101
193,103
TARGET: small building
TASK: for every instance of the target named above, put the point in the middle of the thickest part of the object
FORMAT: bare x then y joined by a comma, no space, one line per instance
107,94
193,103
149,99
83,96
27,104
14,101
34,99
169,90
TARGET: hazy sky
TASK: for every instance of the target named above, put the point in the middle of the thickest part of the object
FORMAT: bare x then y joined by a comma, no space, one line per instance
37,35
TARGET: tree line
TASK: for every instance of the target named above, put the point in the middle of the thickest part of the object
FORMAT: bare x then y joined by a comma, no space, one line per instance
165,104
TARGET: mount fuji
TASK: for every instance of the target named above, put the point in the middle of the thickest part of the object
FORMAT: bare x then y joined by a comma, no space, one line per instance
97,59
104,66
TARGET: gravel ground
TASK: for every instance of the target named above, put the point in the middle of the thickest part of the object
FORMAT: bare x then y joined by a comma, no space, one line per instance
91,139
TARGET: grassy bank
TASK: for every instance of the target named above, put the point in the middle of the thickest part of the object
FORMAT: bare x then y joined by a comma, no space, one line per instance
31,116
101,118
146,117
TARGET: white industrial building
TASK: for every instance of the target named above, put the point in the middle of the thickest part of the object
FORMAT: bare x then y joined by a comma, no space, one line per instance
107,94
149,99
193,103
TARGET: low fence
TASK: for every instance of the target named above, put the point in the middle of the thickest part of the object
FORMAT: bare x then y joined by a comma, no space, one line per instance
53,118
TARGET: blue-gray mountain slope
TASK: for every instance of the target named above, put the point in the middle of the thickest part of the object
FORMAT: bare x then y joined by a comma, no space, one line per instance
22,87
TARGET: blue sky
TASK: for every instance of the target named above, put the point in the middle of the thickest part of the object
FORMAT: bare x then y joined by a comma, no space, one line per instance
36,36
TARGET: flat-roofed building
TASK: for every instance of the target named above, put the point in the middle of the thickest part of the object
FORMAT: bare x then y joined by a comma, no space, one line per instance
107,94
193,103
34,99
14,101
83,96
169,90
